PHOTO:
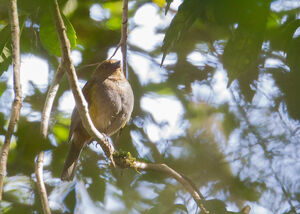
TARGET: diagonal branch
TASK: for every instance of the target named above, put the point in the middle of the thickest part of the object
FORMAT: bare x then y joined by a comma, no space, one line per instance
17,103
80,101
125,160
182,179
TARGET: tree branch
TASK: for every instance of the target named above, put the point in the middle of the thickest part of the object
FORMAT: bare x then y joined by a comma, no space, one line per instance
80,101
41,184
50,99
182,179
17,103
82,108
123,41
125,160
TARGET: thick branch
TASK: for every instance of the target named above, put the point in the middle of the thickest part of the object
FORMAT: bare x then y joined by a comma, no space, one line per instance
40,183
81,104
17,104
50,99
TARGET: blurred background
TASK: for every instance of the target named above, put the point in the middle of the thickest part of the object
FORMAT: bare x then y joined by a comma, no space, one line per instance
223,109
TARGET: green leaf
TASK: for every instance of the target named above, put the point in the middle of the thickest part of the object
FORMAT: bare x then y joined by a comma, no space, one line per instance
114,7
273,20
2,123
61,132
5,59
4,37
3,87
5,46
241,56
70,7
242,51
5,53
114,23
49,37
61,128
185,17
286,35
97,189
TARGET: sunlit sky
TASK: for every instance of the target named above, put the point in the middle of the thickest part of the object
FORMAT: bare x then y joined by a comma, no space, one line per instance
36,71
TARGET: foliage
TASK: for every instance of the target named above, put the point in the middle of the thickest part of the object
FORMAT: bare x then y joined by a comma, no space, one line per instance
48,34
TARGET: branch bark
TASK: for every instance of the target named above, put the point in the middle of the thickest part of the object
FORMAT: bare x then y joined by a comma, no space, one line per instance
123,41
80,101
17,103
50,99
182,179
41,184
125,160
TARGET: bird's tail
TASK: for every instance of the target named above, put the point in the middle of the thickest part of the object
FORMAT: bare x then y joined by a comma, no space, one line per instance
71,163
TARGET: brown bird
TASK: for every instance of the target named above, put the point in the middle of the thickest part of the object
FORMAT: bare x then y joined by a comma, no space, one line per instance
110,103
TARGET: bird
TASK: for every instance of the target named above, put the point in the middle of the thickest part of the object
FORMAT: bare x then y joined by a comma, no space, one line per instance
110,103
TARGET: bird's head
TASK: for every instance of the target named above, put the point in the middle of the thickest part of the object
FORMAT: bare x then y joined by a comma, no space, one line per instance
108,68
111,64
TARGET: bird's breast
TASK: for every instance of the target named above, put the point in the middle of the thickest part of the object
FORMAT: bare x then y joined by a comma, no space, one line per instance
111,105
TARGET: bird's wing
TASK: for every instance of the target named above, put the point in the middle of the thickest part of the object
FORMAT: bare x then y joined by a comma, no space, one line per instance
75,119
87,90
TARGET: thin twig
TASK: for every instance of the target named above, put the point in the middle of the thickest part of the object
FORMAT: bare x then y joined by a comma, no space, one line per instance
123,41
80,101
44,130
41,184
86,66
17,103
117,48
50,99
185,182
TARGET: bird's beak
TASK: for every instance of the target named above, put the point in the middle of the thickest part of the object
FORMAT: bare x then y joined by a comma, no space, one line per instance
116,64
